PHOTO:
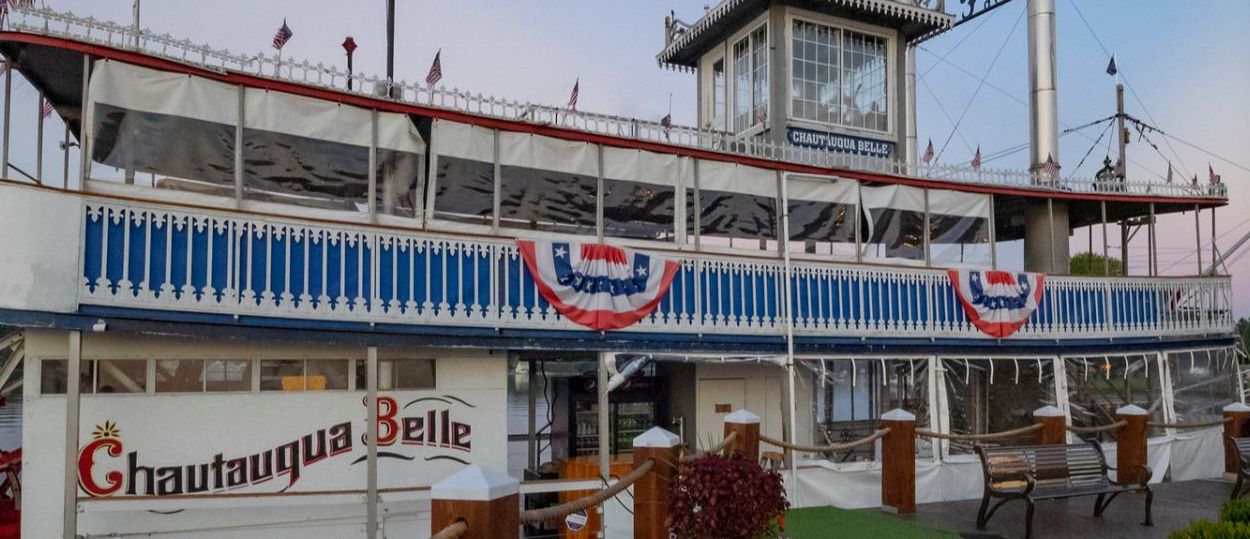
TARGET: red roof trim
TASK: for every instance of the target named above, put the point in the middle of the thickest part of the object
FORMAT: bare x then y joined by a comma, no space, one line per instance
510,125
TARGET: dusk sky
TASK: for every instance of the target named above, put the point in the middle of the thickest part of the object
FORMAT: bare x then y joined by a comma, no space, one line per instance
1187,66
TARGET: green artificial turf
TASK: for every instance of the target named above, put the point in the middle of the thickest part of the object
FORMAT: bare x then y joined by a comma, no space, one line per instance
819,522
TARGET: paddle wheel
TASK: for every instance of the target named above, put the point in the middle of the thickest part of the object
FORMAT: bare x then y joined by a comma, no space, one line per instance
11,493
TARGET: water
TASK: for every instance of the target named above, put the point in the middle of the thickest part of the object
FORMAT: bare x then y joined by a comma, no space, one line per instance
11,423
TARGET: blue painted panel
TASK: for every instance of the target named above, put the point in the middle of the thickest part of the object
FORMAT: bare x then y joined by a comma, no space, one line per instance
160,270
93,244
116,224
199,259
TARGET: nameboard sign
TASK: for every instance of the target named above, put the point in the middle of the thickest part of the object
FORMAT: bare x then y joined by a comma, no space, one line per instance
824,140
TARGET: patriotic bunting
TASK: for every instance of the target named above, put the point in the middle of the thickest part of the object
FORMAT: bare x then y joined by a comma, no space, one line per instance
997,302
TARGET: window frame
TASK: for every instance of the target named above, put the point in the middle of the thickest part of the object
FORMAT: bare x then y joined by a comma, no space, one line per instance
891,65
748,34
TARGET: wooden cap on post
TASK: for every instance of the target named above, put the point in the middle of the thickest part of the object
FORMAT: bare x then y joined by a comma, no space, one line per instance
1130,454
1236,425
898,462
651,490
487,501
747,442
1054,423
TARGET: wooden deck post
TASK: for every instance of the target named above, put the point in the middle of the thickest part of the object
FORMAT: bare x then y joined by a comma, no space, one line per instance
898,462
1236,425
1130,454
747,425
1054,423
651,490
487,501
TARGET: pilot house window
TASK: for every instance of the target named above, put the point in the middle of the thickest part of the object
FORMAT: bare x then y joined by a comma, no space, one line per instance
750,66
839,77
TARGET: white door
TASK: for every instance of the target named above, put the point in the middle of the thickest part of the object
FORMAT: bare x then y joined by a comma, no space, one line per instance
773,415
716,398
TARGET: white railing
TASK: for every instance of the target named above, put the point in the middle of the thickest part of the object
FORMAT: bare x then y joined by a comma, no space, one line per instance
152,256
69,26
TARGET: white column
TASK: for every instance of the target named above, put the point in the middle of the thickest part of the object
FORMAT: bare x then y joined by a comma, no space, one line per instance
371,432
73,366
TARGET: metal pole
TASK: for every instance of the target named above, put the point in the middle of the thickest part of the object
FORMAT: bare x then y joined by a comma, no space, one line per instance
1106,262
390,47
792,424
532,417
1153,247
65,156
1050,216
136,25
73,368
241,119
1121,140
1124,239
1213,255
605,422
1198,238
8,99
993,235
84,142
39,142
927,236
371,432
372,197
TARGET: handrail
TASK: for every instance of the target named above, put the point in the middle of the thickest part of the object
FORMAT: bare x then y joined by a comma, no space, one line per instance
452,531
534,516
1102,428
69,26
826,448
978,437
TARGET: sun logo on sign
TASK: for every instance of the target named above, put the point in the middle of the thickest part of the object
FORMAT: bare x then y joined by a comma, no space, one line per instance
107,430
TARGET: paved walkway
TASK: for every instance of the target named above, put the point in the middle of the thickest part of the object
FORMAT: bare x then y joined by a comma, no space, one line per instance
1175,505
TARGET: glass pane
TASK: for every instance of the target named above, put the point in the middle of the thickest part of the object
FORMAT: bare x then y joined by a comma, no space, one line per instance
536,199
850,396
742,85
397,177
1098,386
814,223
959,240
1203,383
52,377
325,374
303,171
179,375
996,395
164,151
282,375
895,234
122,376
414,374
465,190
638,210
735,215
228,375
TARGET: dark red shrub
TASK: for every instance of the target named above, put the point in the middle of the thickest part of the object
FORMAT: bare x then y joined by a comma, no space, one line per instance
725,497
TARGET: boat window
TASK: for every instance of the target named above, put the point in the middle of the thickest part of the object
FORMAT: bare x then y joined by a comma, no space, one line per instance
1203,382
179,375
464,173
895,219
839,77
120,376
289,169
750,78
398,175
547,184
399,374
228,375
303,375
1100,385
959,228
995,395
850,396
822,214
52,377
639,193
737,206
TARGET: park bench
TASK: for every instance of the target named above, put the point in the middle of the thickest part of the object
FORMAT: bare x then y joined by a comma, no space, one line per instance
1047,472
1241,446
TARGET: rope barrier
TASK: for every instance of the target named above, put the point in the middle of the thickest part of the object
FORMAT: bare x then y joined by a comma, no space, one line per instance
555,512
452,531
1092,430
727,442
826,448
1190,425
978,437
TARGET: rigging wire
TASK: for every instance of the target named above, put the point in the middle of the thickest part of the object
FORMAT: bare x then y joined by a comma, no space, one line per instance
1132,91
961,42
946,114
980,83
1090,151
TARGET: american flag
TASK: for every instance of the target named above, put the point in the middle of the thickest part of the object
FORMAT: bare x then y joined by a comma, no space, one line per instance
436,69
573,96
1051,168
667,122
1214,178
1169,172
928,153
976,160
47,108
282,36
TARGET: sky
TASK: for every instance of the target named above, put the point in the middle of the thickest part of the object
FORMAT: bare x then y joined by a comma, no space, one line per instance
1186,66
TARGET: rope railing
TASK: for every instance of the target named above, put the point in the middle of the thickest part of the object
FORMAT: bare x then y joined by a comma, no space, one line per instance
547,514
978,437
1092,430
826,448
452,531
1207,424
727,442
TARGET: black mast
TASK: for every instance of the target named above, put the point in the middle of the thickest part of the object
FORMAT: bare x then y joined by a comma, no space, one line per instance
390,47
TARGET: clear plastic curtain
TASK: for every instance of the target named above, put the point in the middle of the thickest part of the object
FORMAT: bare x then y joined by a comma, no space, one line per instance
1100,385
994,395
849,396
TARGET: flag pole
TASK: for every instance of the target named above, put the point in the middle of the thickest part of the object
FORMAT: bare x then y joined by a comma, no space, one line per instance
136,24
390,48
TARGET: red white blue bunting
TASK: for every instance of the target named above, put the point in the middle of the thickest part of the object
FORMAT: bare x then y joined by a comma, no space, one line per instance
597,285
997,302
